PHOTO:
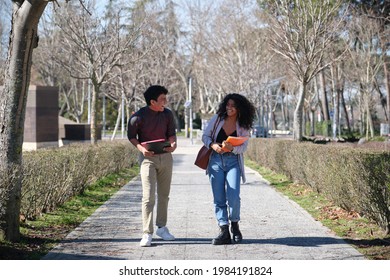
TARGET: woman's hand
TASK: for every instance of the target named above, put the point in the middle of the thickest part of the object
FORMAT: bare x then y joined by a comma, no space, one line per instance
227,147
217,147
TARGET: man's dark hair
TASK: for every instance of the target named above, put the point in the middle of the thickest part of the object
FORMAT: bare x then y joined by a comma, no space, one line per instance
153,92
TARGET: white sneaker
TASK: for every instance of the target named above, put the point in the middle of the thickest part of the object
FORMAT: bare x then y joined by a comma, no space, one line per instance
146,240
163,232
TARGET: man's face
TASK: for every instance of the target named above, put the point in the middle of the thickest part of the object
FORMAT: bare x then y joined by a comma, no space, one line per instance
159,104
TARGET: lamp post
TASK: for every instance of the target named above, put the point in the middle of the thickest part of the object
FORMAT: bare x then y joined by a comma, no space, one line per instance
188,113
89,101
190,107
123,115
104,116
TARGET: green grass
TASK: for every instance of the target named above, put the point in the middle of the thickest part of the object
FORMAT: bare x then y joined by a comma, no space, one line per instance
362,233
38,237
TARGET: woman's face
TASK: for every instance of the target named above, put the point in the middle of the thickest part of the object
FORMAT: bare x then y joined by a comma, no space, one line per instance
231,109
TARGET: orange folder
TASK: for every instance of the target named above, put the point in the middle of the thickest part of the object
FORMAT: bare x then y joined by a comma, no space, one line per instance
236,141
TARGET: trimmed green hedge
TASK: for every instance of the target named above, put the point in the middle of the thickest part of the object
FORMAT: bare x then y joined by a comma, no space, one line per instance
353,178
52,176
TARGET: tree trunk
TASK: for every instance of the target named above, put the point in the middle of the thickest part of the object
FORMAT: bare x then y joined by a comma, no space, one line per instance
312,121
352,118
118,120
336,113
387,84
23,39
177,121
336,101
370,123
287,110
283,110
324,98
95,92
274,123
306,121
298,113
344,105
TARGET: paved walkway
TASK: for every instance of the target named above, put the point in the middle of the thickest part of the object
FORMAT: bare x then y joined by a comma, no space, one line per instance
273,227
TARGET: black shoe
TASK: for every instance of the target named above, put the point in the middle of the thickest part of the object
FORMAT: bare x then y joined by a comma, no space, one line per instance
237,236
223,237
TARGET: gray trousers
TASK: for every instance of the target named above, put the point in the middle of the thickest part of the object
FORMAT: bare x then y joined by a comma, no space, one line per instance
156,176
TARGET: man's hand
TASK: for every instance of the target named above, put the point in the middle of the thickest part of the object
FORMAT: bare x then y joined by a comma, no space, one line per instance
171,148
144,151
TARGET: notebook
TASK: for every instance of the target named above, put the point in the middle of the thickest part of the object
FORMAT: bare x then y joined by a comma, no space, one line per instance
157,146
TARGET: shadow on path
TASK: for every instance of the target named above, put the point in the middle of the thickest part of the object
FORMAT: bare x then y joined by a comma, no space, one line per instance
287,241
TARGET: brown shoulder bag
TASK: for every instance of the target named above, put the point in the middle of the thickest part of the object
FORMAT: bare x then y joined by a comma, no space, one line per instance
203,157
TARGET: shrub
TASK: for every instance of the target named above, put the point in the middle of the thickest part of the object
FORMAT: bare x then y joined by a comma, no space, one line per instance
323,128
353,178
52,176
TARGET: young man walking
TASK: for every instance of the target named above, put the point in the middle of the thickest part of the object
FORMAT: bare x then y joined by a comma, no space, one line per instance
151,123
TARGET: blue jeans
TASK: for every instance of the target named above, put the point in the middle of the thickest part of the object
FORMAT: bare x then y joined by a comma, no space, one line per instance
224,174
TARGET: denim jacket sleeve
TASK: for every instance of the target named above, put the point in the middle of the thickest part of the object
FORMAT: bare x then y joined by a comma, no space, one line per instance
244,133
206,137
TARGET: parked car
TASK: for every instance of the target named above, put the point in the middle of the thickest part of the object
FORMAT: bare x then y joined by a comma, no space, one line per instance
259,131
